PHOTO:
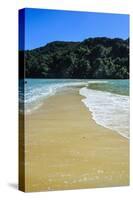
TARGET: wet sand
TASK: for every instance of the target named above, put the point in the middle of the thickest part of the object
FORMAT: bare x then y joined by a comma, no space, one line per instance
66,149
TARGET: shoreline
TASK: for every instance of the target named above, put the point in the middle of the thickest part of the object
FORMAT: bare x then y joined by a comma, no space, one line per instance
66,90
61,135
98,111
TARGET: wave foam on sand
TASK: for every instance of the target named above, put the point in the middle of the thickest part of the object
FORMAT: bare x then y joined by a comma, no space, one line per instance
108,109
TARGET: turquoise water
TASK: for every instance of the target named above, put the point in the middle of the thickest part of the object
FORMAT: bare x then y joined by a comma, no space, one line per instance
113,86
37,90
108,100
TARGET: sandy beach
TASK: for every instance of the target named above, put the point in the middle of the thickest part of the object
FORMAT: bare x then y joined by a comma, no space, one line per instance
66,149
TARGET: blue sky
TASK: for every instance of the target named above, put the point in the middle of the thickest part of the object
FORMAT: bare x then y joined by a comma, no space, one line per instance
43,26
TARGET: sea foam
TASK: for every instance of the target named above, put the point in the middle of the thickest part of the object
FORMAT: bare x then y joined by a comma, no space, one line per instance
108,109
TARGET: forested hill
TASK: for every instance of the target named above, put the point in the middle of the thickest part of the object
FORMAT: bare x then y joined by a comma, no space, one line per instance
91,58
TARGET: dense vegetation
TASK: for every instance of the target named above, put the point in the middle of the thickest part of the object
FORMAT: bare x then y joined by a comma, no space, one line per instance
92,58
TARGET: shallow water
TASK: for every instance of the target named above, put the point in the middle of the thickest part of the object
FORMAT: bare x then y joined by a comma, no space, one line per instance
108,100
108,109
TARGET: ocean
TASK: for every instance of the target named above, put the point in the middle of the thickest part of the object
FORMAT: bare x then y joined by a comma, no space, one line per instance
108,100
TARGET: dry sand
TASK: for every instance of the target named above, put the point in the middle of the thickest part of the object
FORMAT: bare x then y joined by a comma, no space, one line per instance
66,149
